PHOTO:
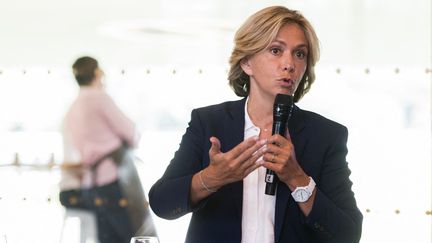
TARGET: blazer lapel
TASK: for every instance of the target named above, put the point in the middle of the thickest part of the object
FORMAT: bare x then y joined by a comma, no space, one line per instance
234,134
295,127
234,124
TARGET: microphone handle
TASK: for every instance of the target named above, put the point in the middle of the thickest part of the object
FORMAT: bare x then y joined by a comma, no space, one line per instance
271,178
272,181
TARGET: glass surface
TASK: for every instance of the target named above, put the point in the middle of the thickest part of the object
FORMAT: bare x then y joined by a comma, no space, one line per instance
144,239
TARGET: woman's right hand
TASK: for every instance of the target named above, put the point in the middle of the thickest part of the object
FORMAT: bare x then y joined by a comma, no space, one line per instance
236,164
228,167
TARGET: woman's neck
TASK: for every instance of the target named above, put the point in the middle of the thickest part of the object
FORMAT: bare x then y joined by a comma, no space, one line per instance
260,112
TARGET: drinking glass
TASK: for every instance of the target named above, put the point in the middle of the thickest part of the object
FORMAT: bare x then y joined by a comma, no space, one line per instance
144,239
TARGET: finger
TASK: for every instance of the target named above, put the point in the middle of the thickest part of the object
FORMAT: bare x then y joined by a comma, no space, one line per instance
281,157
251,168
271,166
255,151
255,159
242,147
250,156
270,157
279,140
273,148
215,147
285,149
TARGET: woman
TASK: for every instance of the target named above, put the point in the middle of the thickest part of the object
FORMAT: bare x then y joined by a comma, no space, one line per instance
218,173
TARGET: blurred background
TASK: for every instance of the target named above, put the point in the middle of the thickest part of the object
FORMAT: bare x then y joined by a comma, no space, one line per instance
164,58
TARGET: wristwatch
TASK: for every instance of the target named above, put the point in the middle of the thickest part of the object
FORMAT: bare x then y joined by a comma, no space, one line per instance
303,193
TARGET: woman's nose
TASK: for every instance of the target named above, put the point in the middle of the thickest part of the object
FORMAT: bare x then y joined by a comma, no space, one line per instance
288,64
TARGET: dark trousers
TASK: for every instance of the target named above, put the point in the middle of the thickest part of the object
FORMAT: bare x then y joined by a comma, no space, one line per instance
113,221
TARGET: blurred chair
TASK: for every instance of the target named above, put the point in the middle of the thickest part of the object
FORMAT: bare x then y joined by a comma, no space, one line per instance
86,226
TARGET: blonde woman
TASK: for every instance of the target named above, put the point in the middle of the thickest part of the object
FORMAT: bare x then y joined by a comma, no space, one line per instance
218,172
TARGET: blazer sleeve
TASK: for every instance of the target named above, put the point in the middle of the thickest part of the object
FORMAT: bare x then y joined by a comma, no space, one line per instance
169,196
335,216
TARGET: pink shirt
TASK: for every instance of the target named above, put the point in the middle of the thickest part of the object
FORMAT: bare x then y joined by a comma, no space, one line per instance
93,127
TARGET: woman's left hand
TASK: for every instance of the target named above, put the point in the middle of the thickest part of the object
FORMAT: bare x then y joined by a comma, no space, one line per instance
280,157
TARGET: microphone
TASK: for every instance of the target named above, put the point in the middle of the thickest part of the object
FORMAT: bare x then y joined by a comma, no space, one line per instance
281,113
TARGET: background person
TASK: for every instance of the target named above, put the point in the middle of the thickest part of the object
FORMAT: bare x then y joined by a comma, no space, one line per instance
97,130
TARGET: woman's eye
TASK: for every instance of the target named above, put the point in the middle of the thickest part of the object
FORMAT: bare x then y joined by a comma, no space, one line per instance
300,54
275,50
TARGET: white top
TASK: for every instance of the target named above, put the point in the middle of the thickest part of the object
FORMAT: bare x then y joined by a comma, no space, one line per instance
258,208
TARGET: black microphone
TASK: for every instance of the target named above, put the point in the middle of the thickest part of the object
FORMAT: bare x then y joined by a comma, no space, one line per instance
281,113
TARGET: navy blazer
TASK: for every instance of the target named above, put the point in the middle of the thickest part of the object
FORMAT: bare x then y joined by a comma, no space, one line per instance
320,147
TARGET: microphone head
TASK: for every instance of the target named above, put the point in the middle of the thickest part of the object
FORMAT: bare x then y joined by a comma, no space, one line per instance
282,107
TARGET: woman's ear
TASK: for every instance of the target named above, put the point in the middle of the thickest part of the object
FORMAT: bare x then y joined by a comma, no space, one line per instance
245,65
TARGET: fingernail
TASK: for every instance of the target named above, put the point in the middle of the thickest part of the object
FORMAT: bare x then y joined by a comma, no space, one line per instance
260,161
264,141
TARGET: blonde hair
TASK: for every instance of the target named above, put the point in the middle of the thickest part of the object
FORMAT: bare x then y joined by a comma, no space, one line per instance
256,34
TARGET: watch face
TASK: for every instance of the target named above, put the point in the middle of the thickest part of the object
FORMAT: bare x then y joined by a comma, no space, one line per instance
301,195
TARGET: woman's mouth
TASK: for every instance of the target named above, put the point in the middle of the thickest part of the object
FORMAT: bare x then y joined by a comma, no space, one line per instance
286,82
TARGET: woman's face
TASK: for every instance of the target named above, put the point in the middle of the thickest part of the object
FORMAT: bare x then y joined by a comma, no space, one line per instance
280,67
